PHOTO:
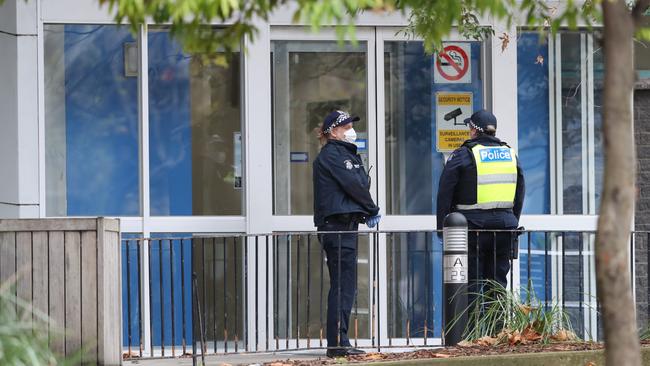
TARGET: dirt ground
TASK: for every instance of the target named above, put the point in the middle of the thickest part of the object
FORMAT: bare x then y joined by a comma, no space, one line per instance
459,351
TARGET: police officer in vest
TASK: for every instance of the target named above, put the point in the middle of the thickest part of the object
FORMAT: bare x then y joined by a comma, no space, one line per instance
484,181
341,202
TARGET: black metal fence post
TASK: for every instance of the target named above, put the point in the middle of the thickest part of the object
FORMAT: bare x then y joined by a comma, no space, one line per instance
455,277
197,309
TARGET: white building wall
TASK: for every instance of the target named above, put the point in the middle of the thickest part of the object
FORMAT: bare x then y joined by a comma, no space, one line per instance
19,189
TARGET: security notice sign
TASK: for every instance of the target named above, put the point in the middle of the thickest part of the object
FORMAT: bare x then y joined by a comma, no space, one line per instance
451,110
453,64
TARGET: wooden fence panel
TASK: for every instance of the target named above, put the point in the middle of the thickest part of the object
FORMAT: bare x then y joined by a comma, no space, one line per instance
68,273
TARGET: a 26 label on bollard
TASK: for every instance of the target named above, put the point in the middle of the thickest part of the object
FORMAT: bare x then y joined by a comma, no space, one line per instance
455,268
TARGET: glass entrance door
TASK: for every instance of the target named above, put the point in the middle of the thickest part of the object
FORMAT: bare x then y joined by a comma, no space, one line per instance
423,100
313,75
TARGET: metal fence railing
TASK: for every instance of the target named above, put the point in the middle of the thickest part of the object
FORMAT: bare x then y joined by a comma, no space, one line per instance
261,293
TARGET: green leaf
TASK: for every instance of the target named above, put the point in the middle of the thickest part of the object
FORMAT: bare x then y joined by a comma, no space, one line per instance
643,34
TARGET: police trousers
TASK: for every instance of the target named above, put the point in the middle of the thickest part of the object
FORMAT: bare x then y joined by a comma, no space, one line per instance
341,251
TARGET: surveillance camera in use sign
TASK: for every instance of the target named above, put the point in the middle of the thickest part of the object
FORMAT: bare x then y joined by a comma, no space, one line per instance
451,110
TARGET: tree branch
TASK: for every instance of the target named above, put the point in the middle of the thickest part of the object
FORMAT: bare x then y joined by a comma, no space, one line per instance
638,11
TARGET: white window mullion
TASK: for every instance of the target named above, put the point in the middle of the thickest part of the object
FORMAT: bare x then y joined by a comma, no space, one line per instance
584,86
591,315
551,124
143,108
40,39
555,54
591,128
557,143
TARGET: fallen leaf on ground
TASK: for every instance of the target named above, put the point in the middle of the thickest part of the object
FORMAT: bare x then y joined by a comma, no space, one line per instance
563,335
373,356
486,341
464,344
530,335
127,355
515,338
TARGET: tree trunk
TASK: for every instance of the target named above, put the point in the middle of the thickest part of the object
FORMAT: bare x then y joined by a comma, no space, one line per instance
617,205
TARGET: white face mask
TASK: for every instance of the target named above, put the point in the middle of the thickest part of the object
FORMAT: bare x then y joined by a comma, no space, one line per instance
350,136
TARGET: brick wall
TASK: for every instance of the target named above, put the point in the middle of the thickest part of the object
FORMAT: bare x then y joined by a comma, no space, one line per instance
642,215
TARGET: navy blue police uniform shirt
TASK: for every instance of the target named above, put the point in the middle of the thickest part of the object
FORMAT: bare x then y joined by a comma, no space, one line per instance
458,186
341,184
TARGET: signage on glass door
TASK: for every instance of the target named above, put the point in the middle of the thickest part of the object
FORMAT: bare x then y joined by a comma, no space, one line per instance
451,110
453,64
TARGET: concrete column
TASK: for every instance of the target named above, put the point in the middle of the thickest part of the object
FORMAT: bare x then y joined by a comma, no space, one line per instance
19,148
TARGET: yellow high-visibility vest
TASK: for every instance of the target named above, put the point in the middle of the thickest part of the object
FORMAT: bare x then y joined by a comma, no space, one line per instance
496,177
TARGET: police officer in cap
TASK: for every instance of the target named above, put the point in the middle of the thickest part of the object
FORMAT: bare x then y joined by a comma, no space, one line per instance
341,202
484,181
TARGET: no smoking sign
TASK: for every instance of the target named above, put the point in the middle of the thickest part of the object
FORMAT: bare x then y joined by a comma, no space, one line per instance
453,64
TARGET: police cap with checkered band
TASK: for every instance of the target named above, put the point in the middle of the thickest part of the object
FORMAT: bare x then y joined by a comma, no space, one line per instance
480,120
336,119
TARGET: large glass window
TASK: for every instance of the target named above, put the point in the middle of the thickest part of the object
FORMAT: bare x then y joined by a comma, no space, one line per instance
560,82
195,139
534,121
91,122
92,132
310,79
559,94
413,161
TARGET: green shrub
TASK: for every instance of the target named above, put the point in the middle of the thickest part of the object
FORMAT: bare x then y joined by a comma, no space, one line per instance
496,312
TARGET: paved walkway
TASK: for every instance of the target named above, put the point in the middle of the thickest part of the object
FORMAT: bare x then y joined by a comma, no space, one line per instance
248,359
234,359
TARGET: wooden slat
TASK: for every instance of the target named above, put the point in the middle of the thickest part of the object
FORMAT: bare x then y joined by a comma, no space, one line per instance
115,307
89,295
8,262
57,291
47,225
7,257
72,292
41,290
24,270
109,284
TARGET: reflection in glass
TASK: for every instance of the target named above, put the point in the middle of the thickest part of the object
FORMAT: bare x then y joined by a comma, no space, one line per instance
413,165
221,287
533,121
414,285
571,83
597,83
301,288
131,273
310,79
194,132
91,122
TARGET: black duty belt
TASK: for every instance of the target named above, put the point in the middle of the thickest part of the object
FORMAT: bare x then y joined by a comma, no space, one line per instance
346,218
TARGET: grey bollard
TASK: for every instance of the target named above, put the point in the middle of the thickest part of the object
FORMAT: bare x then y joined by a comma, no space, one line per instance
455,267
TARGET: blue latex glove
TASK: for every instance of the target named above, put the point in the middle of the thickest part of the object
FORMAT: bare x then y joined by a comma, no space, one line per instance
373,221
